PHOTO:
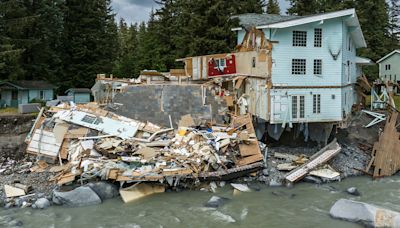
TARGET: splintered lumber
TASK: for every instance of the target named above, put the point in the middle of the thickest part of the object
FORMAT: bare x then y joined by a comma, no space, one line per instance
250,151
321,157
386,152
140,191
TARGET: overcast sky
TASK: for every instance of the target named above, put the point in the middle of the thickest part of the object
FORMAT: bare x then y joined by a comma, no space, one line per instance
139,10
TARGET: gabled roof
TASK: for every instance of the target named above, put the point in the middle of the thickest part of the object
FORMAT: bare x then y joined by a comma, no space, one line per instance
254,19
30,84
263,21
388,55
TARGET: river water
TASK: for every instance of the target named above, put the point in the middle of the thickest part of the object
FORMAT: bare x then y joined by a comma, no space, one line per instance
305,205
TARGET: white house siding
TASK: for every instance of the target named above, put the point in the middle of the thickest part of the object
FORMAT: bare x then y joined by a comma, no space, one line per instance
394,72
330,104
348,76
283,53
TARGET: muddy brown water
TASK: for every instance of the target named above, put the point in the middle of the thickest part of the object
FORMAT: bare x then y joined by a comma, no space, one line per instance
305,205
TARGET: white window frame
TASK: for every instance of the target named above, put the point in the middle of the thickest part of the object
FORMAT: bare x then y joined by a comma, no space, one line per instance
299,38
298,107
219,65
299,66
318,37
317,67
317,103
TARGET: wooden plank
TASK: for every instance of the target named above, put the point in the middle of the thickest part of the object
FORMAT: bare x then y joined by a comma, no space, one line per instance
249,159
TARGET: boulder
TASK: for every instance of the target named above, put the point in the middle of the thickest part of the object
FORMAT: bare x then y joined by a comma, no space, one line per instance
216,201
104,189
79,197
363,213
274,183
353,191
42,203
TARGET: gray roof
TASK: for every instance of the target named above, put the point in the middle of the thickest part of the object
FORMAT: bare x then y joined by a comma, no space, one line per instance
79,90
254,19
30,84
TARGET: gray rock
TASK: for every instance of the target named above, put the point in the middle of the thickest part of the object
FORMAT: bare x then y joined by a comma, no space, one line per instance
313,180
8,205
363,213
353,191
265,172
274,183
216,201
79,197
42,203
104,190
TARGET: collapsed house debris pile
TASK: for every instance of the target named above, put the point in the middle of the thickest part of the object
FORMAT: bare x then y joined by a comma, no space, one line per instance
91,143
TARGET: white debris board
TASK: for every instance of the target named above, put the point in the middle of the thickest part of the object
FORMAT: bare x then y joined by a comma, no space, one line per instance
124,130
45,143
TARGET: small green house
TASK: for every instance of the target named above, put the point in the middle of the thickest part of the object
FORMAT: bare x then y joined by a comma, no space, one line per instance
80,95
14,93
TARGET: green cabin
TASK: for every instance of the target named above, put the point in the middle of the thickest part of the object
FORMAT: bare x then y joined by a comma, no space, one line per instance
14,93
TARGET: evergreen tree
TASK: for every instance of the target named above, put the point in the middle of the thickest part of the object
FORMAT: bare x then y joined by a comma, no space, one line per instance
273,7
42,60
15,18
394,23
90,42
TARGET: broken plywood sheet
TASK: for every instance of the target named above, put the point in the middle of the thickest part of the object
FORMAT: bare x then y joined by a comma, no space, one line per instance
325,173
250,149
77,133
59,131
386,152
105,125
186,121
140,191
44,143
147,153
11,191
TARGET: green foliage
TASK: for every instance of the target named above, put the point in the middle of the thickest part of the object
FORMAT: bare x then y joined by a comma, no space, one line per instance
273,7
40,101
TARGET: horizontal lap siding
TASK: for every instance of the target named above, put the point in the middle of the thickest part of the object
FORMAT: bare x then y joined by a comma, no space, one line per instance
330,108
283,53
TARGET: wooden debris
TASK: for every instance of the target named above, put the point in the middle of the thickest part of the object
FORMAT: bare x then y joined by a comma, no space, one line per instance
286,167
386,152
11,191
321,157
140,191
186,121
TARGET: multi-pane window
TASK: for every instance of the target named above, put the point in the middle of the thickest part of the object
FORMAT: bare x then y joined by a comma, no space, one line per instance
299,38
317,66
298,107
387,67
220,63
298,66
316,103
317,37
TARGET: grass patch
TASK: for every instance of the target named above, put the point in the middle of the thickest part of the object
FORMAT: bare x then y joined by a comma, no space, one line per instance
396,101
8,110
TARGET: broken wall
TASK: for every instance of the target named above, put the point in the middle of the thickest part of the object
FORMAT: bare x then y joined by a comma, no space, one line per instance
155,103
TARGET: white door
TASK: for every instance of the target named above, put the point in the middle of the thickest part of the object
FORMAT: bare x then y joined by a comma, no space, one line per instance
298,108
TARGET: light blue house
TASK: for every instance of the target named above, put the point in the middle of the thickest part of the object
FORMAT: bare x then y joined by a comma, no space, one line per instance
389,67
15,93
314,64
80,95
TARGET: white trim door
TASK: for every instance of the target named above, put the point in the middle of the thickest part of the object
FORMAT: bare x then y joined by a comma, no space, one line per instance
298,107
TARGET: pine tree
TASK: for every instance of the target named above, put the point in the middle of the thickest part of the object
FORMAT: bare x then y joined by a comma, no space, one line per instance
15,18
273,7
90,42
394,23
303,7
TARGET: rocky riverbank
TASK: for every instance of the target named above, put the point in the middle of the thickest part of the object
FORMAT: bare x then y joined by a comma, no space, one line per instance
19,168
